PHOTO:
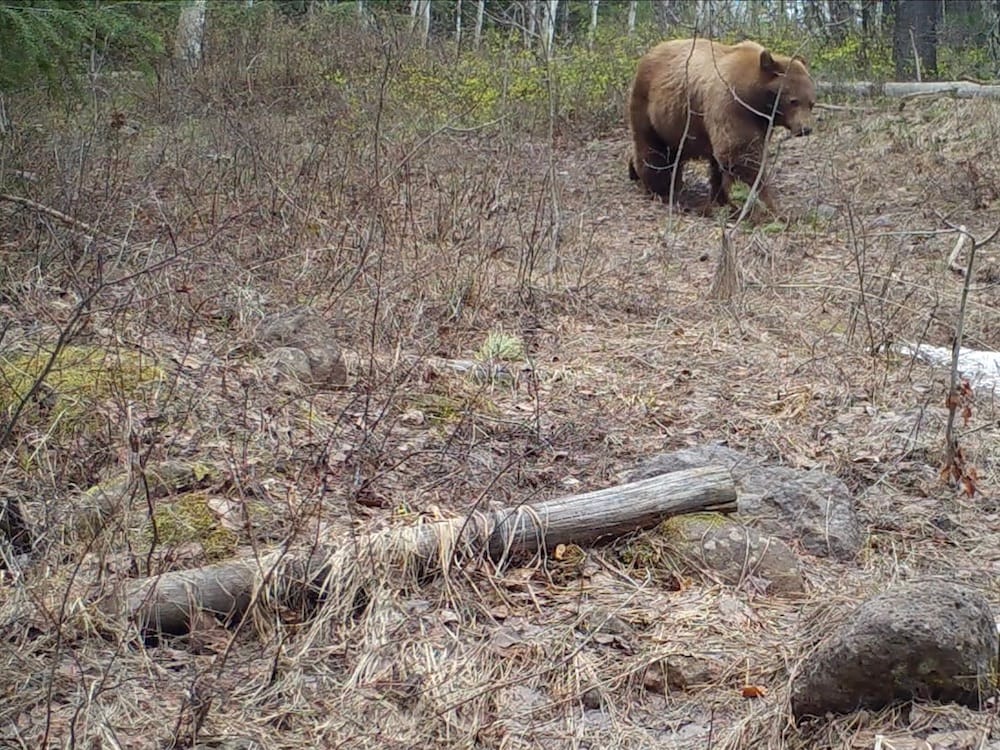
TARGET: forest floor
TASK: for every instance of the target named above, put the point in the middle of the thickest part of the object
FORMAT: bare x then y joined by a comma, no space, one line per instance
424,246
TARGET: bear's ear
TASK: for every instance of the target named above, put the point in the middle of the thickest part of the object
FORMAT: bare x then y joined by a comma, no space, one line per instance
801,59
768,64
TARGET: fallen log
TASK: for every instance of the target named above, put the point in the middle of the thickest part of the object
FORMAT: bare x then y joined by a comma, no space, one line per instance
342,578
905,89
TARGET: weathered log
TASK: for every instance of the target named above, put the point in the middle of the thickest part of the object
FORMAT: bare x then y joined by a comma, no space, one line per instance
343,577
903,89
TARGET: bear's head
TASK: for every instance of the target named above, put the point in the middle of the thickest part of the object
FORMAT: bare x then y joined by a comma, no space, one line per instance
788,81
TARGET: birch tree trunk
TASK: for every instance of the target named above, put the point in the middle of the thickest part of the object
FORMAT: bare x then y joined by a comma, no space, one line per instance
593,19
480,14
188,46
458,23
549,26
532,22
632,8
420,12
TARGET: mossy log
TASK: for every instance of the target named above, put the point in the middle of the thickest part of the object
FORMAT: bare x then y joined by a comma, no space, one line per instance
341,578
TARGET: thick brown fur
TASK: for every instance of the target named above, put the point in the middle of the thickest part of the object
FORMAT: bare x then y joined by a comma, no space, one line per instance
718,101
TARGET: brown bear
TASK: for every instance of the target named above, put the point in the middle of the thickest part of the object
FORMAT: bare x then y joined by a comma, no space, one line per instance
699,99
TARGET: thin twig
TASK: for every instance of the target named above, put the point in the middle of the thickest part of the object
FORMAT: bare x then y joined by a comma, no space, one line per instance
81,226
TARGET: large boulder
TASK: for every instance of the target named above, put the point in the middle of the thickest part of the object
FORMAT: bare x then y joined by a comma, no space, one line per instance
802,507
931,640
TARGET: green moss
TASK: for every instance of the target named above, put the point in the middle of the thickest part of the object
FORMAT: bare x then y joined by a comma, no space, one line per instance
641,553
439,408
690,525
189,519
80,377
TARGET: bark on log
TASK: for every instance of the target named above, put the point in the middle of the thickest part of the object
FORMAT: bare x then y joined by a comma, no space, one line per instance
902,89
343,577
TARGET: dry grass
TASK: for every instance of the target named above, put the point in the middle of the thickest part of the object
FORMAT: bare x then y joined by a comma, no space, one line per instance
243,209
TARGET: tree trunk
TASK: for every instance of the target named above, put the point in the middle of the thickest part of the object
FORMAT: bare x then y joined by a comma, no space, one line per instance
532,20
633,6
994,43
887,18
171,602
480,14
188,46
420,13
458,23
815,18
867,8
916,29
549,26
841,19
593,20
668,15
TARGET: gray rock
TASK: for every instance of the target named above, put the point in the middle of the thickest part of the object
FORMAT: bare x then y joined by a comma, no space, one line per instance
287,368
691,458
734,553
805,507
305,330
826,211
925,640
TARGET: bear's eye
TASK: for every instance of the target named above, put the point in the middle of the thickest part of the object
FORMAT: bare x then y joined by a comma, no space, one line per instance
794,102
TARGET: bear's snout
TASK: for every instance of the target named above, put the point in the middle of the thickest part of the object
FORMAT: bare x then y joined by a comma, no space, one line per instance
804,130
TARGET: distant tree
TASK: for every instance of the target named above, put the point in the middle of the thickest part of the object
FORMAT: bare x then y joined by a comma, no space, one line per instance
667,14
842,17
420,16
44,40
594,5
915,30
189,41
994,41
887,18
549,16
480,15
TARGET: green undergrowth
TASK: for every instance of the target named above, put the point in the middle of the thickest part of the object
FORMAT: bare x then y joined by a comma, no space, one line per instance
581,86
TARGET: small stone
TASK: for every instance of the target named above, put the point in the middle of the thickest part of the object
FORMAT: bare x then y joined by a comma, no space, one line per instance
591,699
682,672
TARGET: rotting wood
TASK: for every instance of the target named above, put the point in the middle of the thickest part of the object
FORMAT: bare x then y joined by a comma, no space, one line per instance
168,603
907,89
